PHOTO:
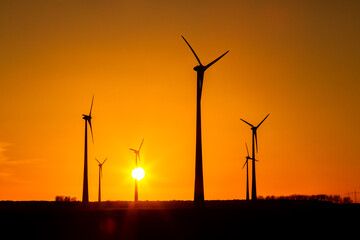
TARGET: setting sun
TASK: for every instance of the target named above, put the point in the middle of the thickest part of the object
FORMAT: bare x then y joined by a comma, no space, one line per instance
138,173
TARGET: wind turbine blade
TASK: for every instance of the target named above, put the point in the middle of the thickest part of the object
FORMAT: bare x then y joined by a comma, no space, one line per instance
92,101
245,163
192,50
141,144
92,136
104,161
247,150
207,66
246,122
262,120
256,143
138,154
97,160
132,149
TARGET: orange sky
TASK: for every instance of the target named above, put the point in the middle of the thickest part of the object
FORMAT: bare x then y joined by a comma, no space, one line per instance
298,61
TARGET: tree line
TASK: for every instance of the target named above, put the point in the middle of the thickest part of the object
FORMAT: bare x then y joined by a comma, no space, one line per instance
319,197
65,199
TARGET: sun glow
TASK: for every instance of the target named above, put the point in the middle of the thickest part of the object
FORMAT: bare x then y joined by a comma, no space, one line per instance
138,173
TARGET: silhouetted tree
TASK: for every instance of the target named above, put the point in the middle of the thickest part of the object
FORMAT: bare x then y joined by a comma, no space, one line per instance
65,199
347,200
58,199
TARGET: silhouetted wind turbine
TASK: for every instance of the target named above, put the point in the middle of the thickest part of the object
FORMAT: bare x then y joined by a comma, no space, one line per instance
137,155
100,175
254,141
199,182
87,118
247,171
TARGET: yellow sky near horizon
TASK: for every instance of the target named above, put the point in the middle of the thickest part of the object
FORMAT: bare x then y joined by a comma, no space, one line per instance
298,61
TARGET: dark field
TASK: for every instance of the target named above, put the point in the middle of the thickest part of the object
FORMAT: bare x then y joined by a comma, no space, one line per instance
179,220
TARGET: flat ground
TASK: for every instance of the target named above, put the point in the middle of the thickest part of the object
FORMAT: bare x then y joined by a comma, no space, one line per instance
178,220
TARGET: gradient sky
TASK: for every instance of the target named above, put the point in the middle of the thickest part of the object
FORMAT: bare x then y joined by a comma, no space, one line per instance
297,60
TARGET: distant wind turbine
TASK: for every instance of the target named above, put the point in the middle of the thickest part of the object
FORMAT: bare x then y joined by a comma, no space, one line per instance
199,182
254,141
100,175
87,118
247,171
137,155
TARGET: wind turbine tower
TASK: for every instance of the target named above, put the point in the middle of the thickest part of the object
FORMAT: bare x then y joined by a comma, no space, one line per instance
247,172
87,118
254,141
100,175
199,182
137,155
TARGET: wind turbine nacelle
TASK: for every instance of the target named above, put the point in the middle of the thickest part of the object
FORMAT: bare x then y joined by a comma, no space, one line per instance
86,117
199,68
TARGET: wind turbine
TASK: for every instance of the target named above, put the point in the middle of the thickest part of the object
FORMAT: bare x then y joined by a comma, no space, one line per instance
247,171
87,118
100,175
254,141
199,182
137,154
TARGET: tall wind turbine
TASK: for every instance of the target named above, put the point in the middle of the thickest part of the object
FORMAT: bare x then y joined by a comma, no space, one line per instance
199,182
247,171
254,141
100,175
137,155
87,118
